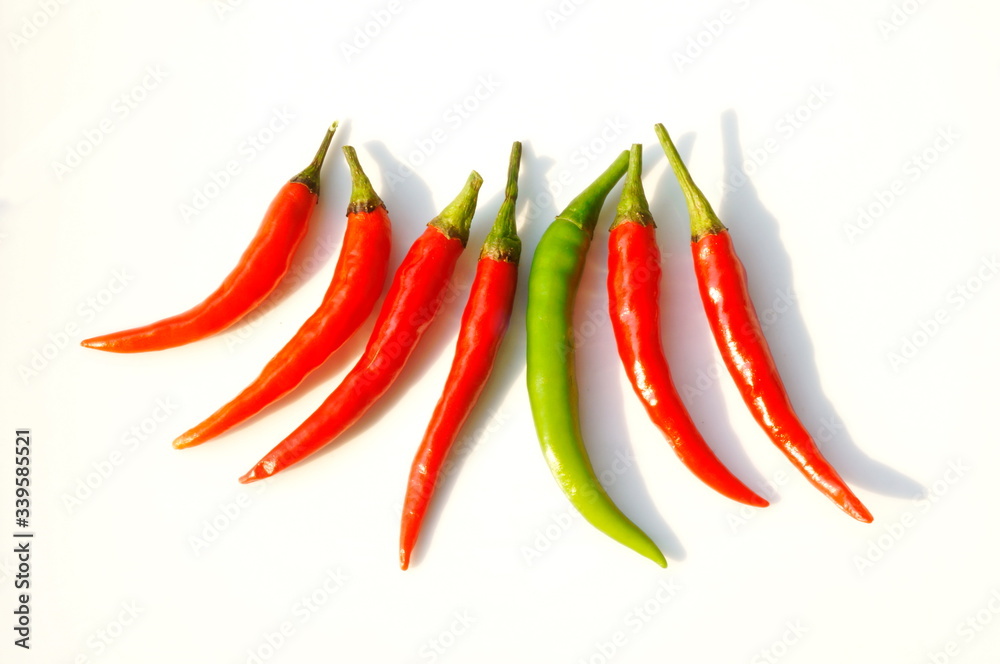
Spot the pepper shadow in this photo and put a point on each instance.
(410, 206)
(687, 341)
(324, 223)
(414, 198)
(603, 390)
(533, 211)
(756, 236)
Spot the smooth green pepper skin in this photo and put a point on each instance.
(552, 286)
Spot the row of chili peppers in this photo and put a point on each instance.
(415, 296)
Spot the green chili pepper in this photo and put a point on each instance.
(552, 285)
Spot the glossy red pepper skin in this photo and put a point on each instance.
(633, 295)
(722, 284)
(258, 272)
(411, 304)
(483, 326)
(264, 262)
(357, 282)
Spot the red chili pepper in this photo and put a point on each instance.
(260, 268)
(484, 324)
(413, 300)
(634, 295)
(722, 283)
(357, 282)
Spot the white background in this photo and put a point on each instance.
(147, 554)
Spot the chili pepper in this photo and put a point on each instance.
(414, 298)
(553, 282)
(484, 323)
(633, 296)
(262, 265)
(722, 283)
(357, 282)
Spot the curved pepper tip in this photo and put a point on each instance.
(645, 547)
(859, 512)
(97, 343)
(659, 558)
(185, 440)
(404, 559)
(648, 549)
(251, 476)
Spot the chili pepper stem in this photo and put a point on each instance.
(484, 323)
(584, 210)
(363, 196)
(413, 300)
(553, 283)
(456, 218)
(502, 243)
(633, 295)
(722, 283)
(633, 205)
(263, 264)
(310, 174)
(703, 218)
(357, 281)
